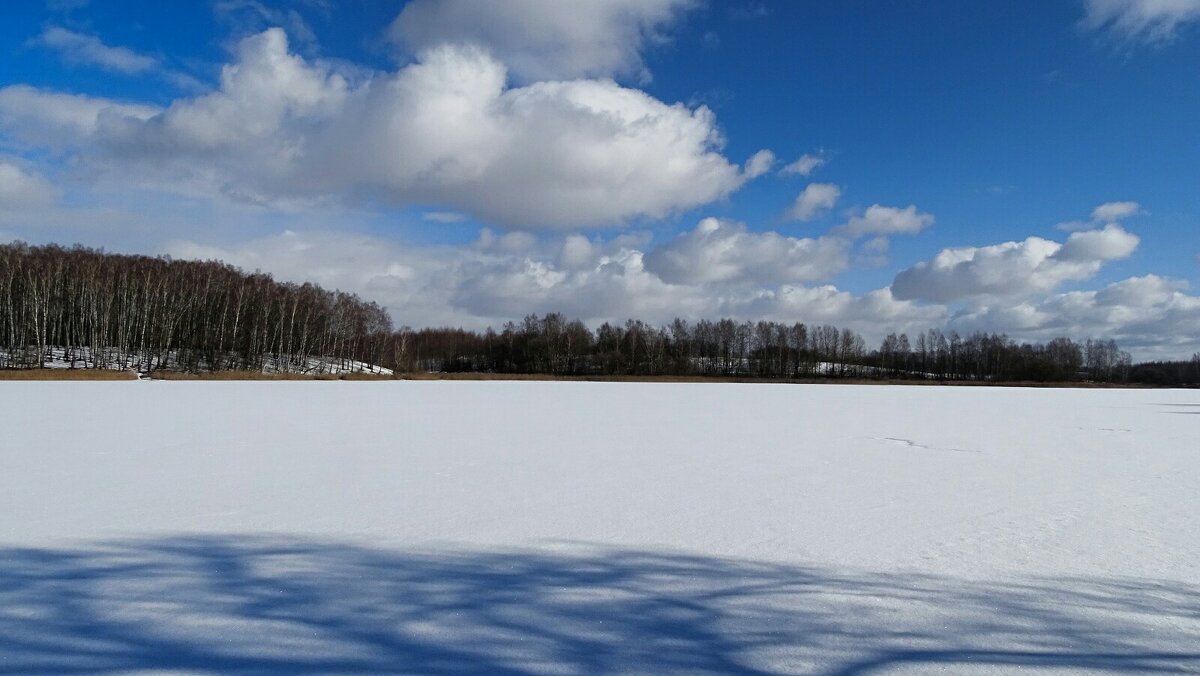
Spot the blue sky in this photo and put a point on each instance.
(1027, 167)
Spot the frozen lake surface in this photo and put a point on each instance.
(521, 527)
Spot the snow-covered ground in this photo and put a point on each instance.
(550, 527)
(115, 360)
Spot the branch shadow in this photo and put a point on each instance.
(286, 605)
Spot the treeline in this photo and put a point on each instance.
(1167, 373)
(92, 309)
(553, 344)
(101, 310)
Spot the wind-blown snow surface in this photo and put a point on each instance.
(508, 527)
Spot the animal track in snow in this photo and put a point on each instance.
(912, 444)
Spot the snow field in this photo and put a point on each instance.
(552, 527)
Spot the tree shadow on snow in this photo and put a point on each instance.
(283, 605)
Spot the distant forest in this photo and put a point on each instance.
(552, 344)
(137, 312)
(102, 310)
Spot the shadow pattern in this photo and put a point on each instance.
(285, 605)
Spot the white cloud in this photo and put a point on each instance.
(885, 221)
(759, 164)
(873, 313)
(873, 253)
(577, 252)
(500, 278)
(1111, 243)
(506, 242)
(625, 282)
(251, 16)
(1150, 21)
(1012, 270)
(88, 50)
(21, 189)
(259, 97)
(1104, 214)
(492, 281)
(284, 131)
(804, 166)
(615, 287)
(1139, 292)
(545, 39)
(725, 252)
(1072, 226)
(815, 199)
(412, 283)
(1151, 316)
(485, 283)
(36, 116)
(1114, 212)
(443, 217)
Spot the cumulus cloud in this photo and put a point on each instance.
(498, 278)
(724, 251)
(805, 166)
(1149, 21)
(577, 252)
(1151, 316)
(815, 199)
(445, 130)
(1109, 212)
(411, 283)
(260, 96)
(1139, 292)
(759, 164)
(88, 50)
(1112, 212)
(502, 277)
(506, 242)
(35, 116)
(487, 282)
(1012, 270)
(20, 188)
(545, 39)
(1111, 243)
(617, 286)
(873, 313)
(886, 221)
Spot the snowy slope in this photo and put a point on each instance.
(542, 527)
